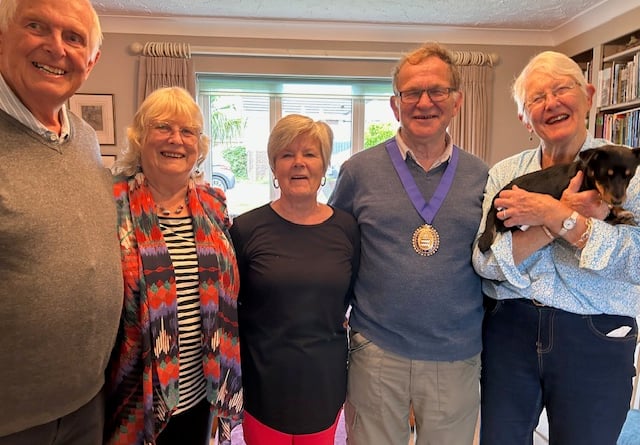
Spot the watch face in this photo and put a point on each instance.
(570, 222)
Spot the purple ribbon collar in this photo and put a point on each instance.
(426, 210)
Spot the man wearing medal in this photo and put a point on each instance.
(415, 323)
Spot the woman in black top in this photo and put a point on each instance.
(297, 259)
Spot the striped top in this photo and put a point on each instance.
(179, 238)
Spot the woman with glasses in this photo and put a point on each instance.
(559, 332)
(176, 363)
(297, 259)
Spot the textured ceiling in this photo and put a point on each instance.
(495, 14)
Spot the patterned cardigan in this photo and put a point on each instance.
(142, 376)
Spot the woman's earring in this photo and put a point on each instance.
(324, 181)
(276, 185)
(530, 135)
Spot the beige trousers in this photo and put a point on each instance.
(382, 386)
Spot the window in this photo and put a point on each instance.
(240, 112)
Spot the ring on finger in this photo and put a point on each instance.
(504, 213)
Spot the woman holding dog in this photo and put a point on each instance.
(559, 331)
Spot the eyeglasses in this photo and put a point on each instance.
(188, 134)
(558, 92)
(435, 95)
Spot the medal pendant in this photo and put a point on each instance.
(426, 240)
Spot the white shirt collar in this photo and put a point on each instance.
(405, 150)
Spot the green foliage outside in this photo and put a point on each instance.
(376, 133)
(237, 157)
(225, 125)
(226, 132)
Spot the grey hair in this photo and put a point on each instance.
(551, 63)
(8, 9)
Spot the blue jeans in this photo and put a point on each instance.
(538, 356)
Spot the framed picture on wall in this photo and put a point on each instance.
(97, 111)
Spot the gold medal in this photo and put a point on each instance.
(426, 240)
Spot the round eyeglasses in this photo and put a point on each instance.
(540, 99)
(188, 134)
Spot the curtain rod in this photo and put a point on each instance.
(462, 57)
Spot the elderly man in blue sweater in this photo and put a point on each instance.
(415, 324)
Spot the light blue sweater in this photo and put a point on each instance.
(420, 307)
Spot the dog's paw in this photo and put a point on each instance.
(486, 239)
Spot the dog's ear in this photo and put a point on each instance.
(586, 156)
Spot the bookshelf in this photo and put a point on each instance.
(585, 60)
(617, 98)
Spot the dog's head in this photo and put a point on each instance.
(609, 170)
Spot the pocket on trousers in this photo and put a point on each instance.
(605, 326)
(357, 341)
(491, 305)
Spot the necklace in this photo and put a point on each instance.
(166, 212)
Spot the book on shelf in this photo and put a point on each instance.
(587, 72)
(622, 128)
(621, 87)
(618, 127)
(604, 87)
(615, 78)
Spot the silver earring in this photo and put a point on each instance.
(324, 181)
(530, 135)
(276, 185)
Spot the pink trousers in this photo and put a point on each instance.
(257, 433)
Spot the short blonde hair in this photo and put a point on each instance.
(419, 55)
(164, 104)
(293, 125)
(551, 63)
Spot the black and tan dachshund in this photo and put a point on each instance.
(607, 169)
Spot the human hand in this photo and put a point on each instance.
(588, 202)
(519, 207)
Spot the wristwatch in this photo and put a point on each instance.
(568, 223)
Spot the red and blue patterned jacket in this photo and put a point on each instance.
(142, 376)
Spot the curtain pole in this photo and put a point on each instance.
(462, 57)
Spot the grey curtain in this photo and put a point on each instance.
(470, 129)
(163, 65)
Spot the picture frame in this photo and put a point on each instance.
(97, 111)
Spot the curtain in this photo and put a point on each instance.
(165, 65)
(469, 130)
